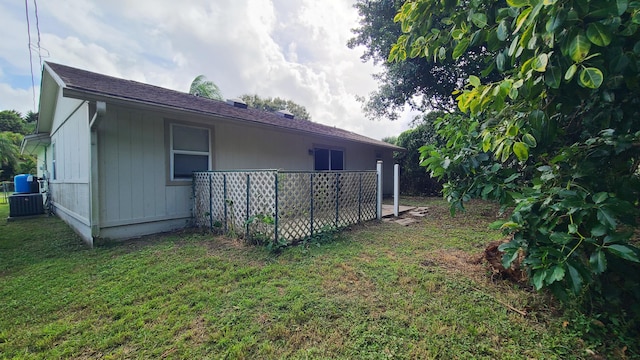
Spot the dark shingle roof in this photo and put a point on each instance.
(108, 86)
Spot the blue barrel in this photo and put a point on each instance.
(21, 185)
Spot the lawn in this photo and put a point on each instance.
(376, 291)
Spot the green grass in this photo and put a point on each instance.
(378, 291)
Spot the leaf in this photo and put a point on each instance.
(539, 64)
(474, 80)
(500, 61)
(511, 178)
(556, 275)
(598, 262)
(479, 20)
(570, 72)
(598, 230)
(560, 238)
(521, 19)
(538, 278)
(553, 77)
(591, 77)
(521, 150)
(502, 32)
(606, 218)
(460, 48)
(576, 279)
(529, 140)
(518, 3)
(579, 48)
(623, 251)
(555, 22)
(598, 34)
(600, 197)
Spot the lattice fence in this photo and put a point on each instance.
(266, 205)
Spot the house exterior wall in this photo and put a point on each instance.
(136, 194)
(68, 165)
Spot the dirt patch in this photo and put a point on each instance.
(494, 258)
(457, 261)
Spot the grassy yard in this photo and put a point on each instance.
(376, 291)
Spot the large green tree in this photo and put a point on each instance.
(421, 83)
(275, 104)
(414, 178)
(11, 120)
(200, 86)
(557, 136)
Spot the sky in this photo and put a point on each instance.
(293, 49)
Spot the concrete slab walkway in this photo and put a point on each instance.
(387, 210)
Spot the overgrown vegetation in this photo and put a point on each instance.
(376, 291)
(555, 135)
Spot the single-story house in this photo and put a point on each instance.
(118, 154)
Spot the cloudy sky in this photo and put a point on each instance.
(294, 49)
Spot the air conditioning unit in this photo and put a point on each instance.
(25, 205)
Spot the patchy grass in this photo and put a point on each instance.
(377, 291)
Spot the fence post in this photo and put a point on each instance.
(246, 220)
(337, 199)
(275, 232)
(396, 189)
(311, 209)
(379, 190)
(224, 201)
(210, 204)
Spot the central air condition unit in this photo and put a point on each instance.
(25, 205)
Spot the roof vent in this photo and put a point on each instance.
(237, 103)
(285, 114)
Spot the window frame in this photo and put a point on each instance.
(330, 150)
(172, 152)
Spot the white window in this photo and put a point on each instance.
(190, 151)
(328, 159)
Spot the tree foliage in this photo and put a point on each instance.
(421, 83)
(200, 86)
(414, 178)
(12, 130)
(556, 135)
(11, 120)
(275, 104)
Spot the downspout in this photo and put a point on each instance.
(94, 188)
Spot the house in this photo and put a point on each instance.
(119, 154)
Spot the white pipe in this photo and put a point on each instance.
(379, 200)
(396, 190)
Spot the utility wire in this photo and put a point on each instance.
(35, 4)
(33, 83)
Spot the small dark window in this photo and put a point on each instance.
(337, 160)
(328, 159)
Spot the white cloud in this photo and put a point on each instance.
(21, 100)
(293, 49)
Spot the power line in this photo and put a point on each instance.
(35, 5)
(33, 83)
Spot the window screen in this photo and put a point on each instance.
(190, 151)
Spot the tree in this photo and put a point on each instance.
(275, 104)
(414, 178)
(421, 83)
(31, 117)
(200, 86)
(11, 120)
(556, 136)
